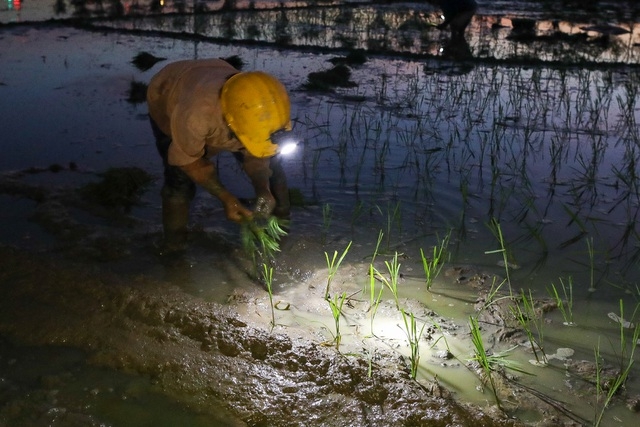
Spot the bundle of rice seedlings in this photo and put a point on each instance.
(262, 238)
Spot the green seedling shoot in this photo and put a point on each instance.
(262, 239)
(528, 317)
(327, 215)
(375, 252)
(267, 275)
(333, 264)
(565, 303)
(336, 310)
(375, 298)
(495, 228)
(394, 277)
(413, 337)
(391, 283)
(433, 266)
(627, 360)
(592, 265)
(480, 355)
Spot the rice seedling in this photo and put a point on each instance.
(413, 337)
(607, 388)
(599, 408)
(327, 216)
(441, 337)
(529, 318)
(333, 264)
(394, 275)
(357, 212)
(591, 253)
(496, 230)
(336, 310)
(391, 283)
(267, 275)
(393, 217)
(575, 218)
(564, 303)
(375, 297)
(377, 248)
(490, 363)
(481, 357)
(262, 238)
(371, 355)
(493, 292)
(433, 266)
(626, 326)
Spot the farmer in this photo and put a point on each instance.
(457, 15)
(199, 108)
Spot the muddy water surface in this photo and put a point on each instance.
(534, 129)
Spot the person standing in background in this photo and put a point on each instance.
(457, 16)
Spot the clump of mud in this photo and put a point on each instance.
(327, 81)
(120, 188)
(137, 93)
(144, 61)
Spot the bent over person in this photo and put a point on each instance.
(199, 108)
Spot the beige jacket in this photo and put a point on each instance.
(184, 101)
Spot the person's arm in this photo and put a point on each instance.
(259, 171)
(204, 174)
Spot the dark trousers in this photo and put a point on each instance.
(177, 185)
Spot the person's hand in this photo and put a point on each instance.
(265, 204)
(235, 211)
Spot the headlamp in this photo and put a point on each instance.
(285, 140)
(287, 148)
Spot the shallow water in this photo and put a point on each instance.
(59, 377)
(422, 146)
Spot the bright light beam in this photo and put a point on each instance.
(287, 148)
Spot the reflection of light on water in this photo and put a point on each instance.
(388, 335)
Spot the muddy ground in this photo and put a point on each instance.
(198, 351)
(203, 354)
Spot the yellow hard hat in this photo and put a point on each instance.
(256, 105)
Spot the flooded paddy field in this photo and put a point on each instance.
(511, 159)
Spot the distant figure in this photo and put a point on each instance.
(457, 15)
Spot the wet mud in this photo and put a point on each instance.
(206, 356)
(199, 352)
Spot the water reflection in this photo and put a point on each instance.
(457, 15)
(550, 152)
(395, 30)
(556, 31)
